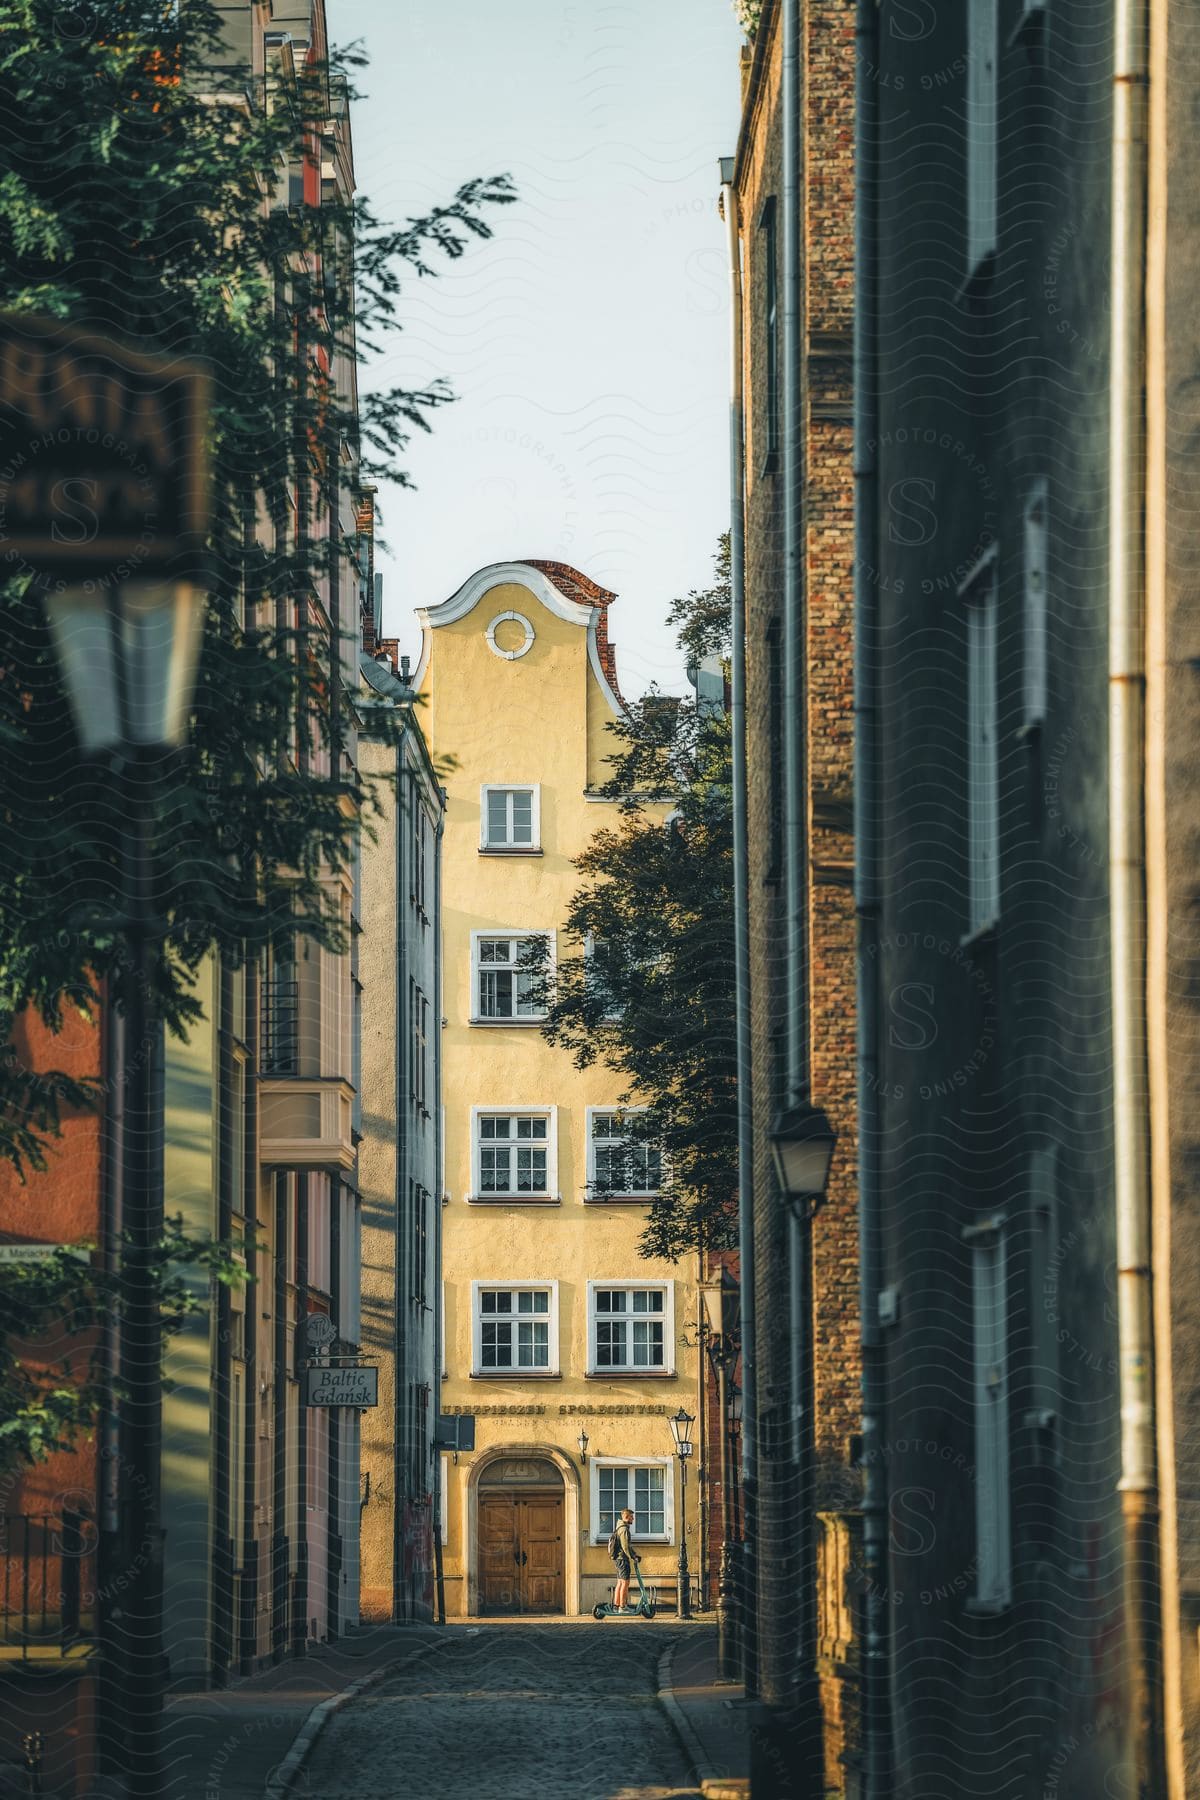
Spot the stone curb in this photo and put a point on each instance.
(281, 1782)
(711, 1785)
(693, 1749)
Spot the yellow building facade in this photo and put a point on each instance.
(554, 1326)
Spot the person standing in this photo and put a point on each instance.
(624, 1556)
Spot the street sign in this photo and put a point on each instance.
(356, 1384)
(455, 1431)
(103, 464)
(11, 1253)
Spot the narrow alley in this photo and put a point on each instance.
(500, 1712)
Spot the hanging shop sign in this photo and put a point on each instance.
(330, 1384)
(319, 1330)
(103, 456)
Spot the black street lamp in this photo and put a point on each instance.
(681, 1431)
(721, 1305)
(128, 655)
(802, 1145)
(789, 1734)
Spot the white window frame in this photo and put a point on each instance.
(1035, 601)
(589, 953)
(532, 788)
(665, 1463)
(993, 1476)
(478, 1371)
(627, 1370)
(590, 1195)
(979, 594)
(474, 1016)
(982, 131)
(477, 1196)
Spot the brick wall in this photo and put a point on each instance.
(826, 452)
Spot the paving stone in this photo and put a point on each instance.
(561, 1712)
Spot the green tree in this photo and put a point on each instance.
(145, 193)
(647, 984)
(132, 202)
(46, 1403)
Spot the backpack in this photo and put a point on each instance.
(614, 1545)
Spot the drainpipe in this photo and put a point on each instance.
(401, 1335)
(787, 1756)
(746, 1604)
(875, 1677)
(703, 1472)
(438, 1232)
(1127, 889)
(791, 477)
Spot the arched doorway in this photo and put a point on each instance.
(521, 1537)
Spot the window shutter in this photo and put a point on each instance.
(983, 797)
(982, 124)
(1035, 576)
(993, 1524)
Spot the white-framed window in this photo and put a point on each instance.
(983, 109)
(514, 1153)
(504, 976)
(617, 1167)
(596, 962)
(631, 1328)
(1036, 551)
(514, 1328)
(993, 1504)
(510, 818)
(983, 767)
(646, 1488)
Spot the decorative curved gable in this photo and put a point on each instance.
(562, 590)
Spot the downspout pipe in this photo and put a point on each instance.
(402, 1250)
(746, 1608)
(791, 453)
(438, 1229)
(1127, 889)
(875, 1675)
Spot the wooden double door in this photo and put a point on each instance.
(520, 1551)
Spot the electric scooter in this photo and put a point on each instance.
(645, 1608)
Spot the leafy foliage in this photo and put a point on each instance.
(749, 13)
(647, 985)
(135, 201)
(44, 1404)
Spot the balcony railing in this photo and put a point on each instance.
(47, 1583)
(281, 1027)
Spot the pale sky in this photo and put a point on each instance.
(589, 340)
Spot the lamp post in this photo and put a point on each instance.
(681, 1431)
(582, 1440)
(128, 655)
(721, 1305)
(787, 1752)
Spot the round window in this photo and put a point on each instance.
(509, 635)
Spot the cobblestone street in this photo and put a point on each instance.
(506, 1712)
